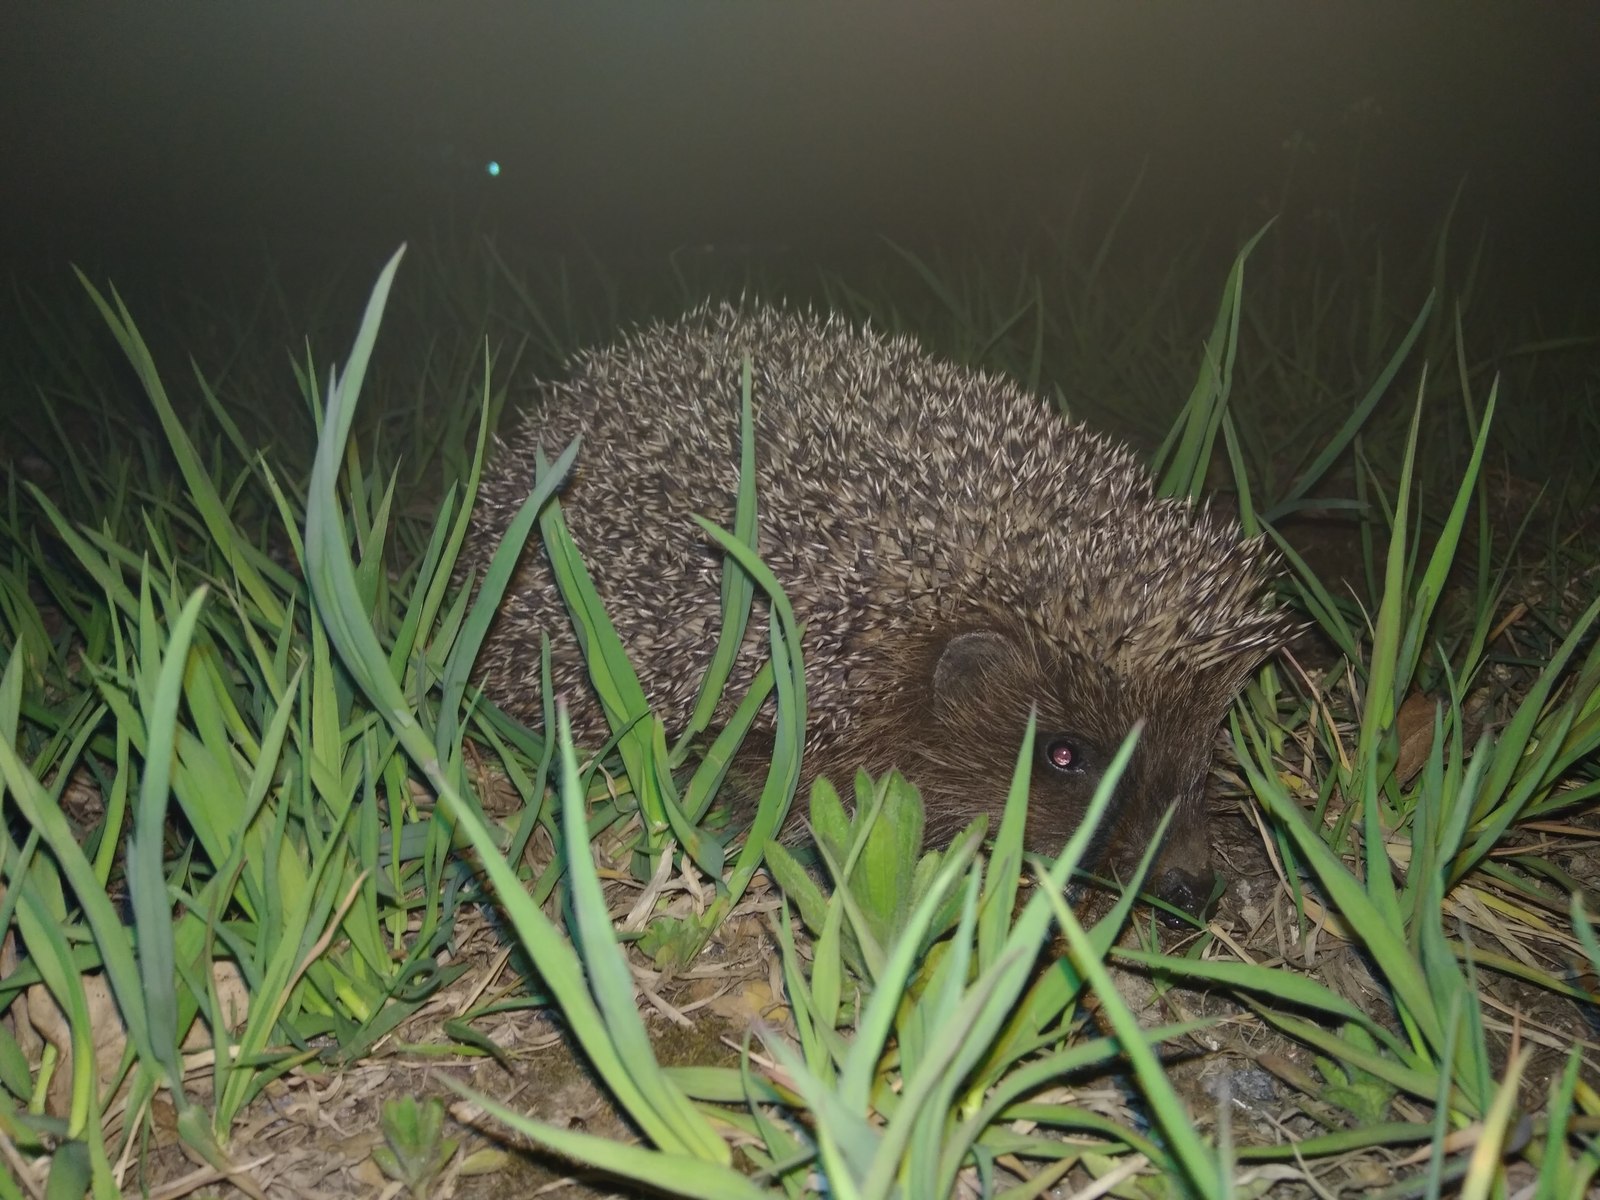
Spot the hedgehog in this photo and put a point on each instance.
(958, 553)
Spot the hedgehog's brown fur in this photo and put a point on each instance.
(956, 551)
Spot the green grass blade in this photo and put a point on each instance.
(738, 589)
(676, 1174)
(147, 884)
(111, 937)
(612, 983)
(257, 574)
(1342, 440)
(1376, 930)
(1199, 1163)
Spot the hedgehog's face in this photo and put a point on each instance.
(983, 685)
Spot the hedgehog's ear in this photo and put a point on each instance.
(966, 659)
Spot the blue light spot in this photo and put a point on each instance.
(493, 169)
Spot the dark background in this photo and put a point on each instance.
(166, 141)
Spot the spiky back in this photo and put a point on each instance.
(898, 493)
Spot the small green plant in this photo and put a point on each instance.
(1360, 1093)
(415, 1149)
(874, 858)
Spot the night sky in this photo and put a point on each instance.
(173, 138)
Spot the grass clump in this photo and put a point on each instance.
(289, 760)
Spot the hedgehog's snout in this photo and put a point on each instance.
(1191, 891)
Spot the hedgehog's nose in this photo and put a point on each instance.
(1191, 891)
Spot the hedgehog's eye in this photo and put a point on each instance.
(1061, 755)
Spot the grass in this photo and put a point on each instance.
(257, 663)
